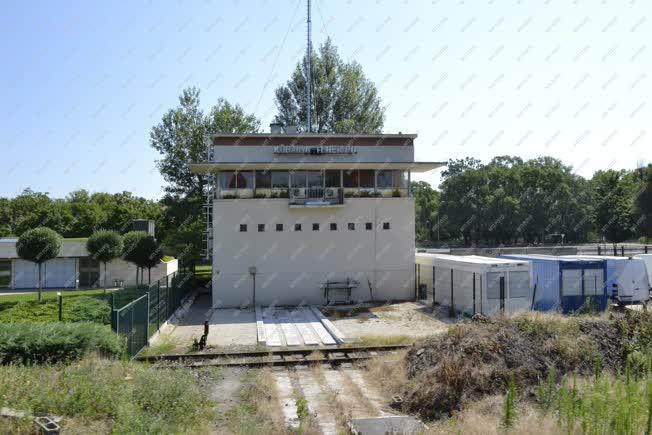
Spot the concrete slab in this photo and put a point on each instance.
(292, 336)
(232, 326)
(308, 334)
(397, 424)
(324, 336)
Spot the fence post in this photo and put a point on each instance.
(622, 250)
(646, 249)
(158, 308)
(599, 249)
(147, 321)
(60, 306)
(131, 332)
(615, 251)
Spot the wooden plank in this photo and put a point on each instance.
(307, 333)
(315, 324)
(337, 335)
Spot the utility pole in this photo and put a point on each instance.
(309, 69)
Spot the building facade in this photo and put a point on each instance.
(311, 218)
(73, 268)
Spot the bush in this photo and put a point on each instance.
(37, 343)
(75, 309)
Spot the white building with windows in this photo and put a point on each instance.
(311, 218)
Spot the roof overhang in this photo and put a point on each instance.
(206, 168)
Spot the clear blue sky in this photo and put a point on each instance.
(83, 82)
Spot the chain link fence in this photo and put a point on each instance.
(141, 318)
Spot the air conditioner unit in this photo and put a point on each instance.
(330, 193)
(298, 192)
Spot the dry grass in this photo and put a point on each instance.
(331, 398)
(387, 373)
(259, 408)
(381, 340)
(484, 418)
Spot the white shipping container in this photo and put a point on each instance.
(473, 284)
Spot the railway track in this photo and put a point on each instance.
(282, 357)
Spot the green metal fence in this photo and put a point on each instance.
(140, 319)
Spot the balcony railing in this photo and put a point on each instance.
(316, 196)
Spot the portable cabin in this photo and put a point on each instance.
(565, 283)
(473, 284)
(647, 259)
(626, 280)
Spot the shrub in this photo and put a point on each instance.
(38, 343)
(75, 309)
(142, 249)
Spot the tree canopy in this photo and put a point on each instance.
(104, 245)
(39, 245)
(343, 99)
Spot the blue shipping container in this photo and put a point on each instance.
(563, 283)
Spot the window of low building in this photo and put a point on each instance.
(385, 225)
(366, 178)
(261, 228)
(263, 179)
(279, 227)
(384, 179)
(297, 227)
(5, 273)
(351, 226)
(243, 228)
(280, 179)
(368, 226)
(351, 178)
(332, 178)
(333, 226)
(315, 227)
(89, 272)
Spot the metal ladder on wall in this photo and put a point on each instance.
(207, 236)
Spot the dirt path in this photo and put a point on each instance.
(333, 396)
(226, 394)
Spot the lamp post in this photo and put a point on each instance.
(252, 271)
(60, 306)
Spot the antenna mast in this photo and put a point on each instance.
(309, 70)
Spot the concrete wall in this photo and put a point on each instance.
(291, 265)
(122, 270)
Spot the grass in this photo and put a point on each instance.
(103, 396)
(167, 258)
(122, 296)
(381, 340)
(165, 345)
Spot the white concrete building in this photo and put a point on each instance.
(73, 268)
(312, 218)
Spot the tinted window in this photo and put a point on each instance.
(385, 225)
(351, 178)
(297, 227)
(298, 179)
(261, 228)
(333, 226)
(384, 180)
(243, 228)
(280, 179)
(351, 226)
(368, 226)
(332, 178)
(366, 178)
(263, 179)
(315, 227)
(279, 227)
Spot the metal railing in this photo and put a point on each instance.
(329, 195)
(141, 318)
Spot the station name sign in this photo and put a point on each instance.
(315, 150)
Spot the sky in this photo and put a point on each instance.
(82, 83)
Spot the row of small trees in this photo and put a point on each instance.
(41, 244)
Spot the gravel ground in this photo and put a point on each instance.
(408, 319)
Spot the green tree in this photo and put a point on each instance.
(613, 201)
(643, 201)
(143, 250)
(426, 211)
(105, 246)
(39, 245)
(181, 138)
(343, 101)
